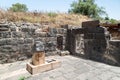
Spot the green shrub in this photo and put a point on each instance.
(52, 14)
(18, 8)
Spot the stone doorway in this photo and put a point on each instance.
(60, 42)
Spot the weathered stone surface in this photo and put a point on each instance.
(38, 58)
(52, 32)
(94, 30)
(4, 27)
(8, 48)
(61, 31)
(49, 65)
(90, 24)
(64, 53)
(13, 28)
(5, 34)
(50, 46)
(39, 46)
(17, 34)
(41, 34)
(10, 41)
(90, 40)
(94, 36)
(113, 54)
(29, 40)
(20, 41)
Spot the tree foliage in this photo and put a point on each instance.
(88, 8)
(18, 7)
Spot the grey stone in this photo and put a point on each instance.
(39, 46)
(61, 31)
(41, 34)
(20, 41)
(13, 28)
(28, 40)
(50, 46)
(5, 34)
(17, 34)
(90, 24)
(4, 27)
(52, 32)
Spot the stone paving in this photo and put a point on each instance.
(73, 68)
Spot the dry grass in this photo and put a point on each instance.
(48, 18)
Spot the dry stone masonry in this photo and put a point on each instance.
(18, 41)
(92, 41)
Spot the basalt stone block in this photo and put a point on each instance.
(2, 42)
(65, 26)
(27, 35)
(90, 24)
(5, 34)
(96, 42)
(26, 48)
(17, 34)
(28, 40)
(94, 36)
(41, 34)
(11, 41)
(25, 28)
(39, 46)
(91, 29)
(50, 46)
(61, 31)
(78, 31)
(52, 32)
(8, 48)
(115, 43)
(113, 55)
(1, 35)
(50, 53)
(42, 39)
(47, 39)
(89, 36)
(13, 28)
(20, 41)
(4, 27)
(99, 36)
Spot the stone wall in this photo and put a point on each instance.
(112, 55)
(18, 40)
(93, 42)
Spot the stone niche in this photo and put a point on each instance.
(79, 44)
(75, 41)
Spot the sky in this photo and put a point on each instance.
(111, 6)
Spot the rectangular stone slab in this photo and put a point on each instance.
(43, 67)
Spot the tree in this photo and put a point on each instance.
(88, 8)
(18, 7)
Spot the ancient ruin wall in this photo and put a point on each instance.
(18, 40)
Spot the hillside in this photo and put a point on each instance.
(47, 18)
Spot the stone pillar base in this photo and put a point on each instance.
(49, 65)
